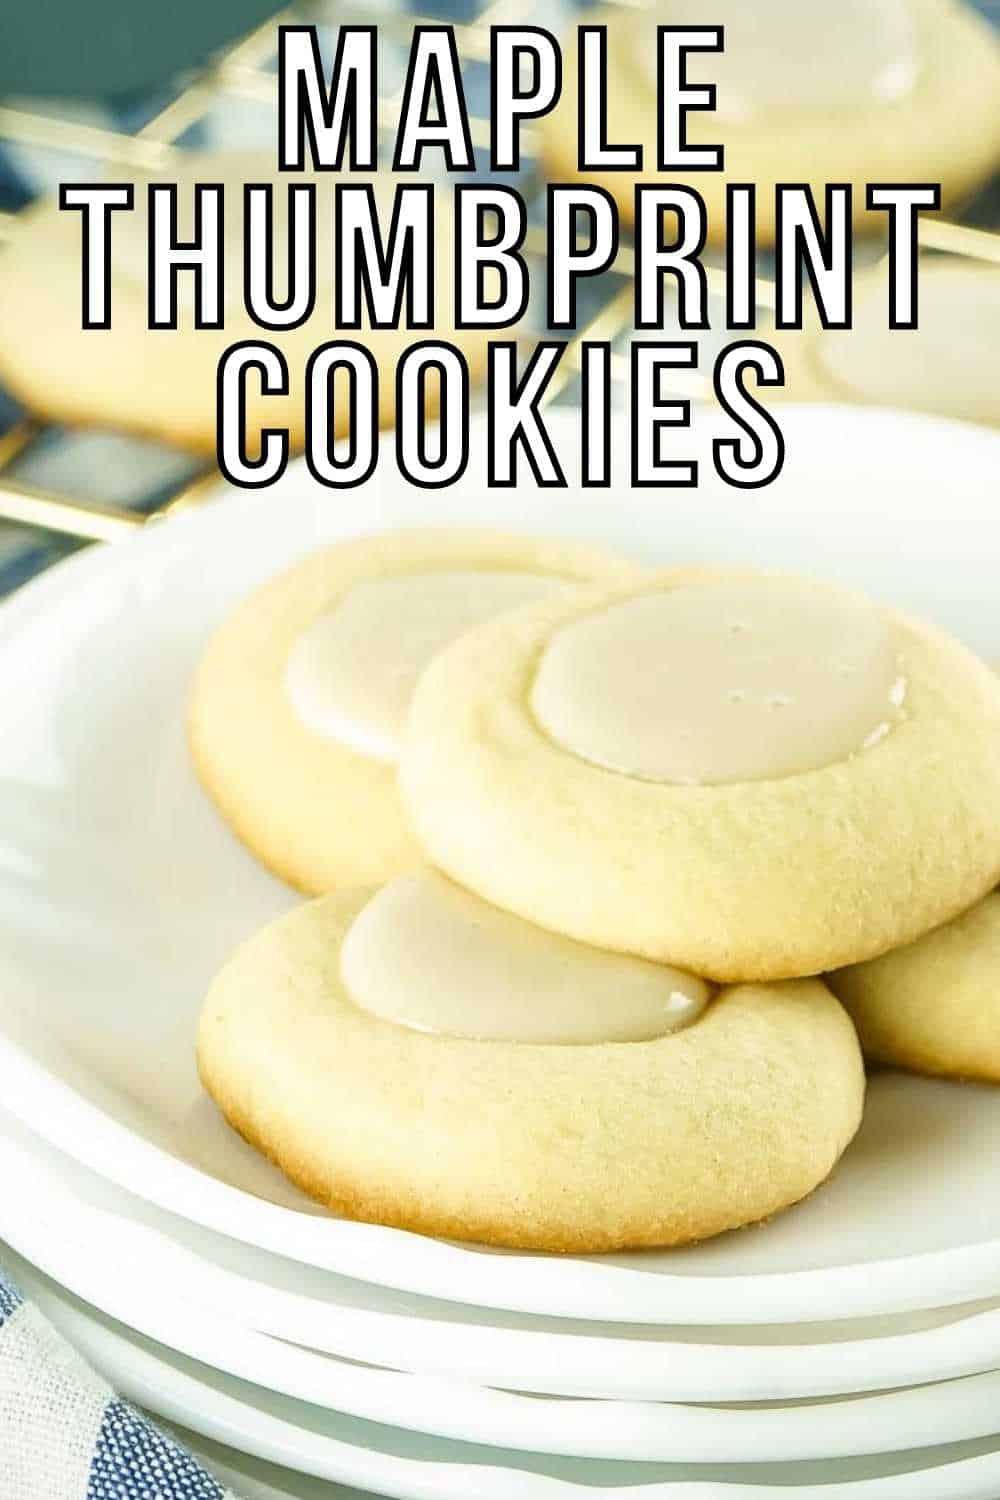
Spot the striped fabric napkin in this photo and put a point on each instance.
(65, 1435)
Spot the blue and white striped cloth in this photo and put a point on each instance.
(65, 1435)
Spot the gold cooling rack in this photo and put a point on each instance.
(241, 75)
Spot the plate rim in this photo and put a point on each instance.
(178, 1396)
(70, 1220)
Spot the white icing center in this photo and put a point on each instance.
(790, 55)
(351, 674)
(948, 364)
(427, 954)
(734, 680)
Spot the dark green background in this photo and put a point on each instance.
(93, 48)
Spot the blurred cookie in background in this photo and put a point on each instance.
(862, 91)
(946, 366)
(163, 381)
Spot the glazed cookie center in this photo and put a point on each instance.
(351, 674)
(427, 954)
(783, 54)
(739, 680)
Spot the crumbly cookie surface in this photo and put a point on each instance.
(316, 812)
(754, 880)
(537, 1147)
(934, 1005)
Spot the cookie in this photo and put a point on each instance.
(934, 1005)
(163, 382)
(579, 1146)
(297, 704)
(804, 96)
(945, 366)
(751, 776)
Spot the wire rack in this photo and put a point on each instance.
(60, 489)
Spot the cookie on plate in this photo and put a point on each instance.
(749, 775)
(934, 1005)
(163, 382)
(299, 700)
(417, 1058)
(898, 91)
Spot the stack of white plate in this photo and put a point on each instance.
(850, 1350)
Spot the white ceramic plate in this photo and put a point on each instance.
(391, 1462)
(121, 892)
(123, 1282)
(253, 1479)
(612, 1430)
(56, 1213)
